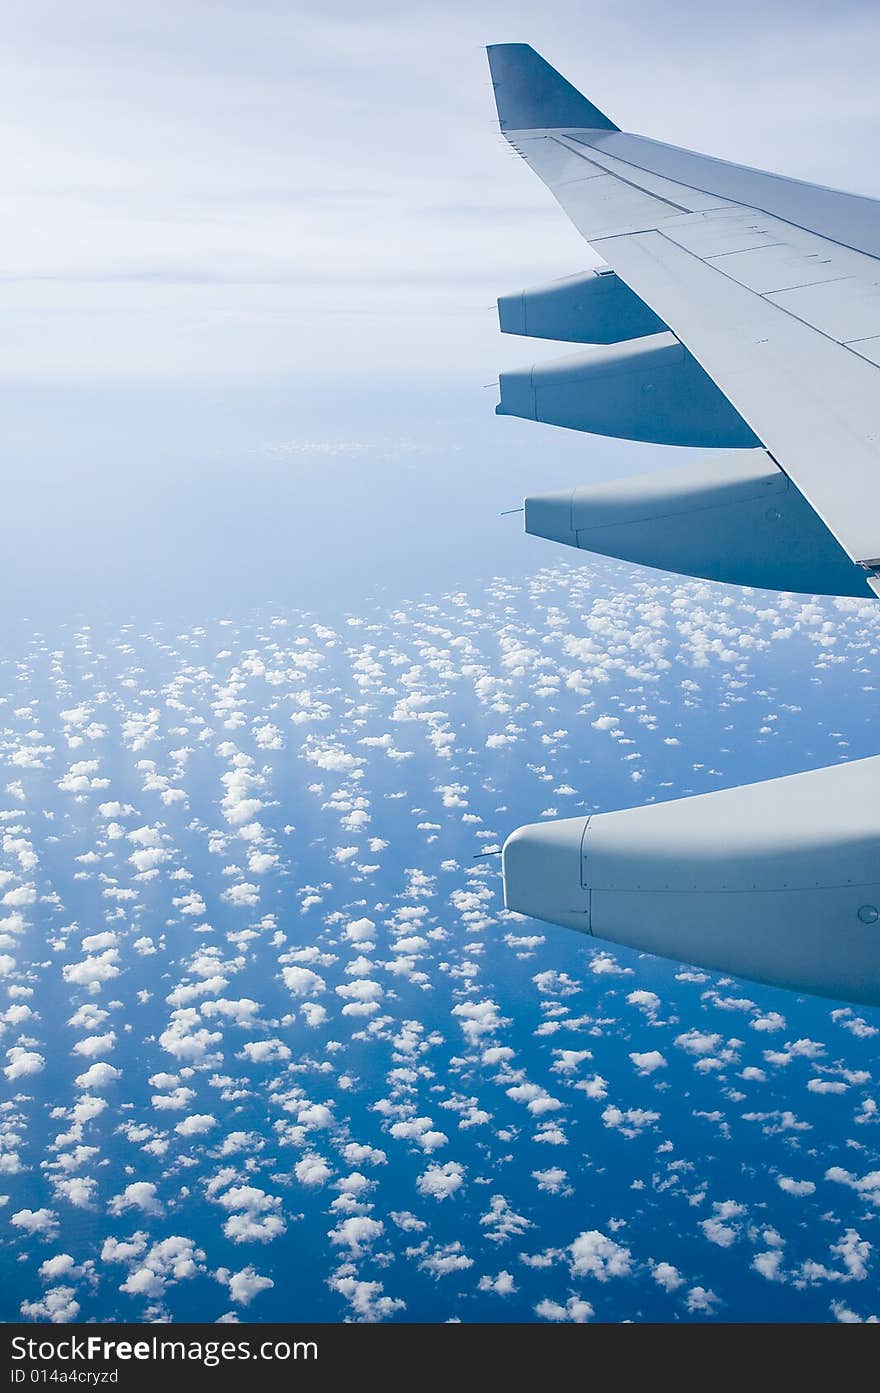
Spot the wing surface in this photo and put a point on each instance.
(772, 285)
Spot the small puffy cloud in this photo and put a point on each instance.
(407, 1221)
(98, 1076)
(148, 859)
(552, 1181)
(186, 1038)
(502, 1222)
(95, 1045)
(595, 1087)
(568, 1061)
(94, 970)
(421, 1131)
(265, 1051)
(795, 1187)
(629, 1121)
(171, 1260)
(648, 1062)
(769, 1022)
(58, 1305)
(866, 1185)
(59, 1266)
(41, 1222)
(445, 1259)
(698, 1042)
(769, 1264)
(141, 1194)
(313, 1013)
(254, 1215)
(702, 1301)
(312, 1171)
(719, 1229)
(594, 1254)
(81, 777)
(478, 1018)
(96, 943)
(245, 1285)
(315, 1115)
(441, 1181)
(646, 1001)
(362, 997)
(191, 904)
(356, 1234)
(175, 1101)
(243, 895)
(357, 1154)
(575, 1310)
(360, 930)
(124, 1250)
(241, 1012)
(20, 896)
(333, 759)
(367, 1299)
(606, 965)
(78, 1190)
(302, 981)
(23, 1063)
(196, 1124)
(667, 1276)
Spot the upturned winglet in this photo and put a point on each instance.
(529, 94)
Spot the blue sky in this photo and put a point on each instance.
(273, 1048)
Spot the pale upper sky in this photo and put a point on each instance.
(250, 255)
(224, 190)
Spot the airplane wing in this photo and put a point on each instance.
(742, 310)
(738, 311)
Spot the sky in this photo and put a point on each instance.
(312, 193)
(251, 254)
(276, 663)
